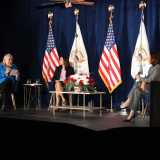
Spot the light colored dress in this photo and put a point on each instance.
(62, 75)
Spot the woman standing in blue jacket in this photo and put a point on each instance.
(6, 80)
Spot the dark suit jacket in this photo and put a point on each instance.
(57, 73)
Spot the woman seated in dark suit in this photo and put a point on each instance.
(7, 80)
(142, 86)
(61, 73)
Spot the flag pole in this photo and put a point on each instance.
(142, 5)
(111, 110)
(50, 15)
(110, 9)
(76, 12)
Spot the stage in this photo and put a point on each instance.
(92, 121)
(40, 134)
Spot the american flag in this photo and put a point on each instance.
(109, 66)
(51, 59)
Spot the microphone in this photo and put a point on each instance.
(9, 67)
(138, 73)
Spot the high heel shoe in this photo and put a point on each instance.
(56, 109)
(128, 120)
(64, 103)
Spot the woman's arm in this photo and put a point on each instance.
(17, 78)
(54, 79)
(143, 85)
(155, 75)
(2, 71)
(7, 71)
(72, 71)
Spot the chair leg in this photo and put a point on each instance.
(50, 103)
(142, 113)
(69, 95)
(145, 109)
(139, 109)
(13, 101)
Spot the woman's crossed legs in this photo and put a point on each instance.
(59, 87)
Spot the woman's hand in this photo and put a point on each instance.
(8, 70)
(143, 85)
(137, 76)
(17, 75)
(56, 80)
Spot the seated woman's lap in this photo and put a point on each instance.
(6, 85)
(59, 87)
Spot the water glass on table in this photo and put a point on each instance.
(37, 81)
(28, 81)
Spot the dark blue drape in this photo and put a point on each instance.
(24, 31)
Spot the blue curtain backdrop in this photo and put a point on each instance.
(24, 31)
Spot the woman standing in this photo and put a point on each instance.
(6, 80)
(142, 86)
(61, 73)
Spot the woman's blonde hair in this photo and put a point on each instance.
(7, 55)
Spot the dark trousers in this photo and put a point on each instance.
(5, 87)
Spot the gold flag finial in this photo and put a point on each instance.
(142, 5)
(50, 15)
(110, 9)
(76, 12)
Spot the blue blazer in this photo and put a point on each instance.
(3, 77)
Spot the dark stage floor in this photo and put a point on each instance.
(92, 120)
(37, 134)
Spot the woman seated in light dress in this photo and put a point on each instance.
(61, 73)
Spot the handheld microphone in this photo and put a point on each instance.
(136, 78)
(9, 67)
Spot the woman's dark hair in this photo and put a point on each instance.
(66, 62)
(155, 58)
